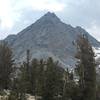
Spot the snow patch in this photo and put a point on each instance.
(97, 52)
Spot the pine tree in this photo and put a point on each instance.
(40, 77)
(86, 68)
(65, 81)
(6, 65)
(22, 84)
(34, 76)
(70, 88)
(53, 80)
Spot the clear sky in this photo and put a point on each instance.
(15, 15)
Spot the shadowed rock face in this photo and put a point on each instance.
(48, 37)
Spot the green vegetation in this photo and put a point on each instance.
(86, 69)
(46, 79)
(6, 66)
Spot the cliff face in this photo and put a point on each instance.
(48, 37)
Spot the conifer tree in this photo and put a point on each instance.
(40, 77)
(53, 80)
(6, 65)
(86, 68)
(23, 85)
(34, 76)
(70, 88)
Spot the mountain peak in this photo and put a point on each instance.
(48, 37)
(50, 14)
(49, 17)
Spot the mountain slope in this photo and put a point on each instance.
(48, 36)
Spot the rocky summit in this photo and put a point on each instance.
(48, 37)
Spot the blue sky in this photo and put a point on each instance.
(15, 15)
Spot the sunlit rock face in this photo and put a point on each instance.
(48, 37)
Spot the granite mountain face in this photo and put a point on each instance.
(48, 37)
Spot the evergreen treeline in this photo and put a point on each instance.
(46, 79)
